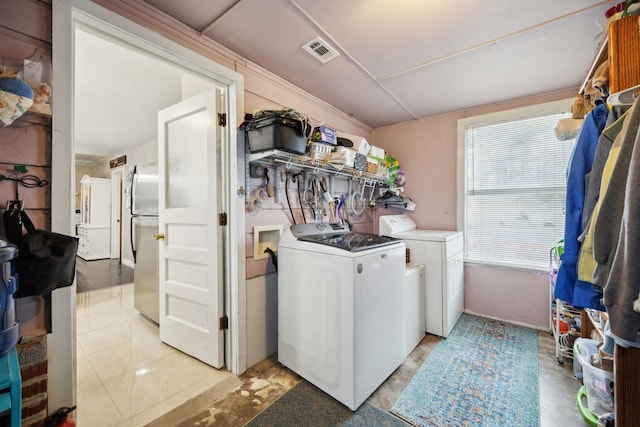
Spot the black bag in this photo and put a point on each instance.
(46, 260)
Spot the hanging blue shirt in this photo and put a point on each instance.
(568, 288)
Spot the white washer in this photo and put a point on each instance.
(340, 310)
(441, 252)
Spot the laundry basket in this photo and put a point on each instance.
(597, 382)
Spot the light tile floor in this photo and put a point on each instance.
(125, 375)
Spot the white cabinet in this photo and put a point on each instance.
(453, 285)
(441, 252)
(94, 231)
(414, 308)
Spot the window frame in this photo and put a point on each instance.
(536, 110)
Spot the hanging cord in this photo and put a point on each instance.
(345, 216)
(357, 200)
(329, 199)
(28, 181)
(308, 196)
(304, 218)
(286, 193)
(268, 185)
(274, 257)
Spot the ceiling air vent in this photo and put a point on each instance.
(320, 50)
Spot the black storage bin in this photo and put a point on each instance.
(276, 132)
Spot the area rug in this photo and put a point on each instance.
(484, 374)
(305, 405)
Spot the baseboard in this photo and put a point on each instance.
(513, 322)
(128, 262)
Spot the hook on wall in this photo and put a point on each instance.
(14, 205)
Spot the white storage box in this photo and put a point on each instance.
(359, 143)
(319, 150)
(343, 156)
(376, 153)
(598, 382)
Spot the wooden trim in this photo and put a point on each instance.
(624, 57)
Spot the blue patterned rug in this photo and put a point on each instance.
(485, 374)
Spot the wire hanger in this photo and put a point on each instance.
(624, 97)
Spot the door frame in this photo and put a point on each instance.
(67, 16)
(117, 198)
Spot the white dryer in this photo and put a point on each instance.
(441, 252)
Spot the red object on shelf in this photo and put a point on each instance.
(614, 9)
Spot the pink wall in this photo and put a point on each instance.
(519, 296)
(427, 151)
(27, 141)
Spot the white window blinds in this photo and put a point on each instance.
(515, 183)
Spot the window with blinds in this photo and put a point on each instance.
(514, 195)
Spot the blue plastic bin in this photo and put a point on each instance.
(9, 328)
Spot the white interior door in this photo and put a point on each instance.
(191, 280)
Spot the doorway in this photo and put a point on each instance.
(69, 16)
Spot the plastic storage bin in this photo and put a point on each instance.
(589, 417)
(597, 382)
(9, 329)
(276, 132)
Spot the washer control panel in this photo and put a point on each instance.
(315, 228)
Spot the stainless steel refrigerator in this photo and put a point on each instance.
(144, 225)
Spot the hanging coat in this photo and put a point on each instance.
(606, 233)
(568, 288)
(603, 163)
(622, 291)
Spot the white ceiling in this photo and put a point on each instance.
(399, 60)
(118, 95)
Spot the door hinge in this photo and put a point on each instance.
(222, 218)
(224, 323)
(222, 119)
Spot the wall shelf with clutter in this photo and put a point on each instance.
(285, 162)
(318, 166)
(287, 143)
(24, 87)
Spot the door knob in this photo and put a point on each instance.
(158, 236)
